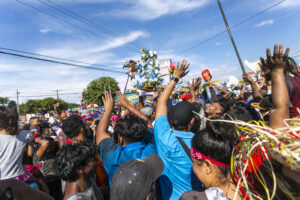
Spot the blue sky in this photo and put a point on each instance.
(167, 26)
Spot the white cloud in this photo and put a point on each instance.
(34, 78)
(26, 74)
(87, 50)
(45, 30)
(264, 23)
(290, 4)
(121, 41)
(148, 10)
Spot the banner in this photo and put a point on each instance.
(132, 98)
(164, 67)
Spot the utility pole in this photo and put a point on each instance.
(18, 100)
(230, 35)
(126, 84)
(57, 97)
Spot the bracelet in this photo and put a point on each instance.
(175, 79)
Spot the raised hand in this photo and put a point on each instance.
(123, 101)
(277, 60)
(108, 101)
(248, 79)
(56, 105)
(180, 71)
(195, 84)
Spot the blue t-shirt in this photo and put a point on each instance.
(178, 176)
(113, 155)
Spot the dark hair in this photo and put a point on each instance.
(26, 127)
(131, 128)
(264, 90)
(239, 113)
(53, 147)
(291, 66)
(216, 141)
(43, 127)
(72, 126)
(9, 119)
(224, 104)
(72, 157)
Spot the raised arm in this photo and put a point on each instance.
(101, 133)
(193, 87)
(242, 94)
(123, 102)
(43, 147)
(255, 91)
(161, 108)
(280, 95)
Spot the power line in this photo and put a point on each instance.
(46, 95)
(70, 23)
(232, 27)
(83, 20)
(57, 62)
(30, 53)
(296, 54)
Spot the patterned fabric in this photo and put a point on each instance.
(215, 193)
(23, 177)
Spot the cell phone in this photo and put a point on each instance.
(7, 194)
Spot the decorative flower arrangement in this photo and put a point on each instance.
(146, 70)
(172, 68)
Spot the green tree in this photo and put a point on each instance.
(97, 87)
(46, 104)
(3, 100)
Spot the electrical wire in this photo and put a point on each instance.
(30, 53)
(232, 27)
(58, 62)
(70, 23)
(46, 95)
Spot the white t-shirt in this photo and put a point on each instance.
(12, 148)
(51, 120)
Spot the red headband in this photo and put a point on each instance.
(199, 156)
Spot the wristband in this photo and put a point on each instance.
(175, 79)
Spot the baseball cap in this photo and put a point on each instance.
(134, 178)
(148, 101)
(182, 113)
(147, 111)
(185, 96)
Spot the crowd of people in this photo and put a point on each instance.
(212, 143)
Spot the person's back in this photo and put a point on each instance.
(129, 141)
(173, 140)
(12, 145)
(177, 176)
(12, 148)
(131, 146)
